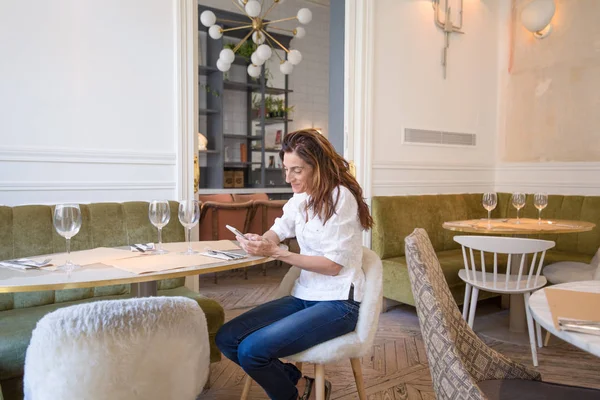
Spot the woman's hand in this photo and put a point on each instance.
(257, 245)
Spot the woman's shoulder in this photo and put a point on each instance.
(295, 202)
(344, 196)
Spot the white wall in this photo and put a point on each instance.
(548, 132)
(410, 92)
(88, 100)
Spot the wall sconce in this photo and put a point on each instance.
(447, 25)
(536, 17)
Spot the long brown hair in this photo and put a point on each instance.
(330, 170)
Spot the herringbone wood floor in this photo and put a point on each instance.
(396, 368)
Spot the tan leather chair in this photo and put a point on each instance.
(214, 216)
(241, 198)
(219, 198)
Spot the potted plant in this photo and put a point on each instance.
(279, 108)
(288, 112)
(269, 107)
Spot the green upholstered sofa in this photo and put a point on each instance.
(396, 216)
(28, 231)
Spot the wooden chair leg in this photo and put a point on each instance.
(246, 273)
(320, 381)
(207, 384)
(215, 278)
(299, 365)
(264, 269)
(358, 378)
(547, 339)
(246, 390)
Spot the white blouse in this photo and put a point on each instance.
(339, 239)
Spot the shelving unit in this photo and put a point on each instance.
(257, 173)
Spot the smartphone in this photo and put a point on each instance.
(236, 232)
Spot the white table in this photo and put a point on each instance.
(13, 280)
(538, 304)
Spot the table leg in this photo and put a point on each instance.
(144, 289)
(518, 319)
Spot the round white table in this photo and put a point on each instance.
(541, 313)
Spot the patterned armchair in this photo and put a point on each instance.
(462, 366)
(458, 359)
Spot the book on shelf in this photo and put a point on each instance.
(238, 178)
(243, 152)
(228, 179)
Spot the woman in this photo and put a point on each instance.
(326, 214)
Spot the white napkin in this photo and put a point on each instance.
(23, 263)
(15, 266)
(145, 247)
(216, 255)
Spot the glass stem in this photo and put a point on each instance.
(517, 215)
(159, 239)
(539, 216)
(188, 234)
(68, 251)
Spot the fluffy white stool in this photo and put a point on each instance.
(572, 271)
(352, 345)
(142, 348)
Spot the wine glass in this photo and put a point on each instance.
(489, 203)
(540, 201)
(189, 214)
(67, 222)
(160, 214)
(518, 202)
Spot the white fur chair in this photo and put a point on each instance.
(572, 271)
(141, 348)
(353, 345)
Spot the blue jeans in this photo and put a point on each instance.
(283, 327)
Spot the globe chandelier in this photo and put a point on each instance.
(265, 42)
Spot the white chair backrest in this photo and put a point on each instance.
(368, 315)
(596, 263)
(504, 245)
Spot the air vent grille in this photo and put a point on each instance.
(422, 136)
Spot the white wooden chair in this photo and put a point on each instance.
(352, 345)
(522, 280)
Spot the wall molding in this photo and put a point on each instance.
(87, 156)
(408, 166)
(358, 93)
(430, 183)
(398, 177)
(550, 166)
(37, 186)
(186, 70)
(576, 178)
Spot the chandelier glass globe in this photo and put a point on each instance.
(256, 60)
(223, 66)
(286, 68)
(253, 8)
(215, 32)
(294, 57)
